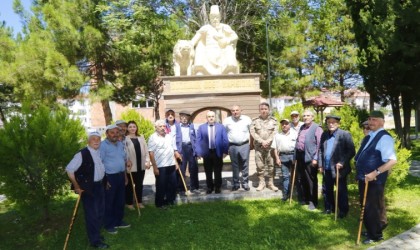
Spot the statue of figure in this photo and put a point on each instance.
(215, 47)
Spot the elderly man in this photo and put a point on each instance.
(115, 161)
(284, 148)
(162, 150)
(306, 154)
(86, 173)
(188, 151)
(295, 121)
(212, 146)
(237, 127)
(336, 151)
(376, 156)
(123, 129)
(263, 129)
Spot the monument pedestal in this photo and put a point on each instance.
(198, 93)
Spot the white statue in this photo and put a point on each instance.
(214, 48)
(183, 57)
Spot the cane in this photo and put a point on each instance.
(362, 212)
(336, 193)
(187, 192)
(72, 220)
(293, 183)
(134, 192)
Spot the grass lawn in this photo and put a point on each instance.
(257, 224)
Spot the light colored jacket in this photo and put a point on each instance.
(131, 153)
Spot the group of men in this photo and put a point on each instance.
(299, 147)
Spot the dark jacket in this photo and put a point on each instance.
(342, 152)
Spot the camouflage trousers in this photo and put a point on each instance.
(264, 162)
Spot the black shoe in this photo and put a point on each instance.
(327, 211)
(371, 241)
(100, 245)
(235, 188)
(285, 198)
(218, 191)
(246, 188)
(341, 215)
(209, 191)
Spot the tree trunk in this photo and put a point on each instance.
(107, 111)
(342, 87)
(371, 103)
(395, 104)
(407, 106)
(156, 110)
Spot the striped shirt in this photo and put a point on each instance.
(163, 148)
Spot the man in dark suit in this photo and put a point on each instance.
(336, 151)
(212, 146)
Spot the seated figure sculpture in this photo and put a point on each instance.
(215, 47)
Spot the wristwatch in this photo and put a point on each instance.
(378, 171)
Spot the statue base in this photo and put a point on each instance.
(198, 93)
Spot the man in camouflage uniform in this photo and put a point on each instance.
(263, 130)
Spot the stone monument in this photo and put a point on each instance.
(207, 72)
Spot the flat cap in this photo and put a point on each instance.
(118, 122)
(112, 126)
(338, 118)
(184, 112)
(284, 120)
(169, 110)
(377, 114)
(294, 112)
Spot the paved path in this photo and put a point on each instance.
(409, 240)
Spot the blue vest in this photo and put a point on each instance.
(370, 159)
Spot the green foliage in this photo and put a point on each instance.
(287, 110)
(35, 147)
(145, 127)
(399, 172)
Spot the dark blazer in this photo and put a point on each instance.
(221, 140)
(193, 137)
(343, 151)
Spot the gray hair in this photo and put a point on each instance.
(159, 123)
(309, 112)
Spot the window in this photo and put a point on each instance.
(142, 102)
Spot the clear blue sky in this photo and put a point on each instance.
(7, 14)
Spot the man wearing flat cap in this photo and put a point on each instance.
(335, 152)
(86, 173)
(123, 129)
(295, 122)
(376, 156)
(189, 158)
(284, 148)
(115, 161)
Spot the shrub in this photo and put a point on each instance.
(145, 126)
(35, 148)
(400, 170)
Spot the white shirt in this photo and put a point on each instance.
(163, 148)
(297, 128)
(285, 143)
(237, 129)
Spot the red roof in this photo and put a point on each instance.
(322, 101)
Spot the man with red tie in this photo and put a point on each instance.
(212, 145)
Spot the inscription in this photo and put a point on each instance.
(212, 85)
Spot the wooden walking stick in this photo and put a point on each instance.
(362, 212)
(336, 192)
(293, 183)
(135, 195)
(187, 192)
(72, 220)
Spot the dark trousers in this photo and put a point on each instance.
(94, 207)
(307, 180)
(374, 208)
(189, 159)
(239, 155)
(213, 163)
(329, 198)
(114, 200)
(165, 186)
(138, 178)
